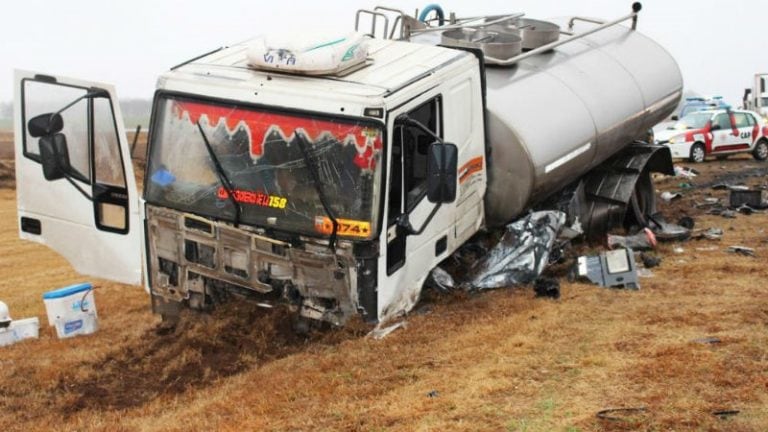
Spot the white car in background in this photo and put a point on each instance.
(716, 133)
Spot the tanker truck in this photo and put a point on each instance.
(332, 176)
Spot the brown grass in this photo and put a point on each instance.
(500, 360)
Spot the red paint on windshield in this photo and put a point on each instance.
(261, 124)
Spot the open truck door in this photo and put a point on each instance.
(75, 187)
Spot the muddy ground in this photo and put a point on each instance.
(501, 360)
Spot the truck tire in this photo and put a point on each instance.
(761, 150)
(698, 154)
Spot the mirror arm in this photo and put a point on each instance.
(405, 223)
(94, 92)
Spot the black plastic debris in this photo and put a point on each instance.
(433, 394)
(547, 287)
(742, 250)
(614, 268)
(650, 261)
(666, 231)
(645, 239)
(687, 222)
(724, 414)
(751, 198)
(611, 413)
(521, 254)
(707, 340)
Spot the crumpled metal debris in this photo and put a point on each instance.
(709, 234)
(521, 254)
(742, 250)
(382, 332)
(686, 172)
(643, 240)
(669, 196)
(441, 279)
(666, 231)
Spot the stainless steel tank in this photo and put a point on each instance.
(556, 115)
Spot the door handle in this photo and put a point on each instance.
(30, 225)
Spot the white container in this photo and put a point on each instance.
(69, 303)
(82, 324)
(7, 337)
(27, 328)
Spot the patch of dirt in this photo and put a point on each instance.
(201, 349)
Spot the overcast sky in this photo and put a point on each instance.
(719, 45)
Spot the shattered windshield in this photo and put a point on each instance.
(259, 153)
(693, 121)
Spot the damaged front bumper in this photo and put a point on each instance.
(199, 262)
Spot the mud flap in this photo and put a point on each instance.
(620, 186)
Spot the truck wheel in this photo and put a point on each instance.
(761, 150)
(697, 153)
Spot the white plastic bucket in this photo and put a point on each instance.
(69, 303)
(82, 324)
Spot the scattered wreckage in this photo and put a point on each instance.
(334, 175)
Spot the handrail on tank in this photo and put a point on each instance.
(583, 19)
(374, 15)
(636, 7)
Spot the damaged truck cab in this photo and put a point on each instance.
(316, 191)
(249, 171)
(333, 177)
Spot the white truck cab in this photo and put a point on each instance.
(282, 187)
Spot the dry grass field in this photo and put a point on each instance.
(501, 361)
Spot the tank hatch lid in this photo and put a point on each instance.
(315, 56)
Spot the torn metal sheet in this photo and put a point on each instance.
(709, 234)
(382, 332)
(686, 172)
(670, 196)
(643, 240)
(666, 231)
(615, 268)
(441, 279)
(521, 254)
(742, 250)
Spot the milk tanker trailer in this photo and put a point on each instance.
(334, 176)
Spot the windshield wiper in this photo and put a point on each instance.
(319, 188)
(222, 176)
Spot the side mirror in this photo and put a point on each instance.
(45, 124)
(54, 156)
(441, 173)
(675, 118)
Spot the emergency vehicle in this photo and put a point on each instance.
(716, 133)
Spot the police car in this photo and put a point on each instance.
(716, 133)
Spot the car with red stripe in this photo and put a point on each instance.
(716, 133)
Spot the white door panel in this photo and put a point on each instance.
(89, 213)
